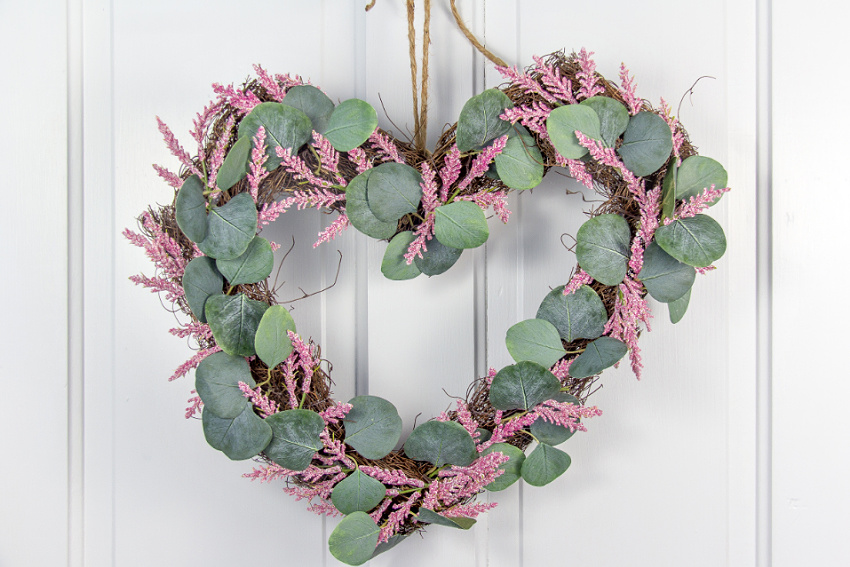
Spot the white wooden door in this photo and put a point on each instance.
(732, 450)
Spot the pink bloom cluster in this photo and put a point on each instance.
(630, 311)
(328, 157)
(673, 123)
(193, 362)
(430, 201)
(561, 369)
(532, 117)
(303, 358)
(566, 414)
(697, 204)
(259, 400)
(587, 76)
(579, 279)
(195, 329)
(333, 414)
(333, 230)
(397, 517)
(257, 171)
(460, 483)
(358, 157)
(195, 405)
(627, 89)
(385, 148)
(392, 477)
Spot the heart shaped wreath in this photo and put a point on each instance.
(263, 392)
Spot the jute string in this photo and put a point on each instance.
(420, 88)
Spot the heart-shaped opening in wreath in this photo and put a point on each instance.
(274, 144)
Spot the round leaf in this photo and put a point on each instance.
(295, 438)
(217, 382)
(552, 433)
(239, 438)
(698, 173)
(361, 216)
(235, 165)
(358, 491)
(523, 386)
(312, 102)
(647, 144)
(286, 127)
(512, 468)
(437, 259)
(602, 248)
(665, 278)
(613, 117)
(544, 464)
(271, 341)
(190, 210)
(394, 266)
(520, 164)
(697, 241)
(535, 340)
(441, 443)
(479, 122)
(431, 517)
(233, 320)
(461, 224)
(351, 124)
(597, 356)
(578, 315)
(668, 191)
(563, 123)
(393, 190)
(679, 307)
(354, 539)
(253, 265)
(201, 280)
(372, 427)
(230, 228)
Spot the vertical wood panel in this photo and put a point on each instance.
(172, 492)
(34, 226)
(811, 455)
(636, 472)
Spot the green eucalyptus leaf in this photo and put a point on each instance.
(252, 266)
(577, 315)
(597, 356)
(665, 278)
(358, 491)
(295, 438)
(647, 144)
(431, 517)
(461, 224)
(668, 191)
(271, 341)
(613, 117)
(360, 215)
(217, 383)
(286, 127)
(535, 340)
(354, 539)
(230, 228)
(372, 427)
(512, 468)
(312, 102)
(351, 124)
(697, 241)
(190, 210)
(233, 320)
(602, 248)
(441, 443)
(563, 123)
(698, 173)
(394, 266)
(552, 433)
(201, 281)
(523, 386)
(679, 307)
(520, 164)
(544, 464)
(437, 259)
(393, 190)
(479, 122)
(239, 438)
(235, 165)
(389, 544)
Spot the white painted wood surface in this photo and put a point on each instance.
(112, 474)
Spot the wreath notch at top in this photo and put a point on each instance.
(275, 143)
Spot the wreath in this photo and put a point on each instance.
(263, 391)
